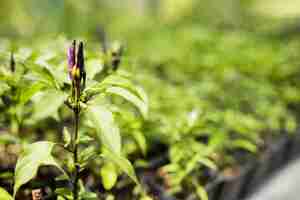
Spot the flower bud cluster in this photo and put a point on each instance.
(76, 68)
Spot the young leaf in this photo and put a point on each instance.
(44, 75)
(122, 163)
(64, 193)
(86, 154)
(140, 140)
(207, 162)
(5, 195)
(126, 94)
(109, 175)
(66, 137)
(244, 144)
(32, 157)
(107, 130)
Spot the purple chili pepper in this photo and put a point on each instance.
(80, 58)
(80, 63)
(71, 58)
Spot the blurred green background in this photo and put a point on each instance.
(217, 72)
(29, 18)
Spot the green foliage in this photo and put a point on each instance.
(109, 175)
(32, 157)
(212, 92)
(5, 195)
(37, 92)
(107, 130)
(122, 163)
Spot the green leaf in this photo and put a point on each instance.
(121, 81)
(88, 196)
(94, 89)
(85, 139)
(129, 96)
(64, 193)
(28, 92)
(44, 75)
(244, 144)
(207, 162)
(86, 154)
(140, 140)
(32, 157)
(122, 163)
(107, 130)
(5, 195)
(109, 175)
(66, 137)
(47, 104)
(115, 80)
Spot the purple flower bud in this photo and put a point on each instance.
(80, 58)
(71, 57)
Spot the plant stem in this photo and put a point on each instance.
(75, 147)
(75, 158)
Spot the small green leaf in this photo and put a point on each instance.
(107, 130)
(85, 139)
(66, 137)
(64, 193)
(244, 144)
(109, 175)
(86, 154)
(88, 196)
(207, 162)
(140, 140)
(5, 195)
(122, 163)
(129, 96)
(32, 157)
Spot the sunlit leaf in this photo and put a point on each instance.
(32, 157)
(107, 130)
(126, 94)
(207, 162)
(122, 163)
(5, 195)
(47, 104)
(244, 144)
(109, 175)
